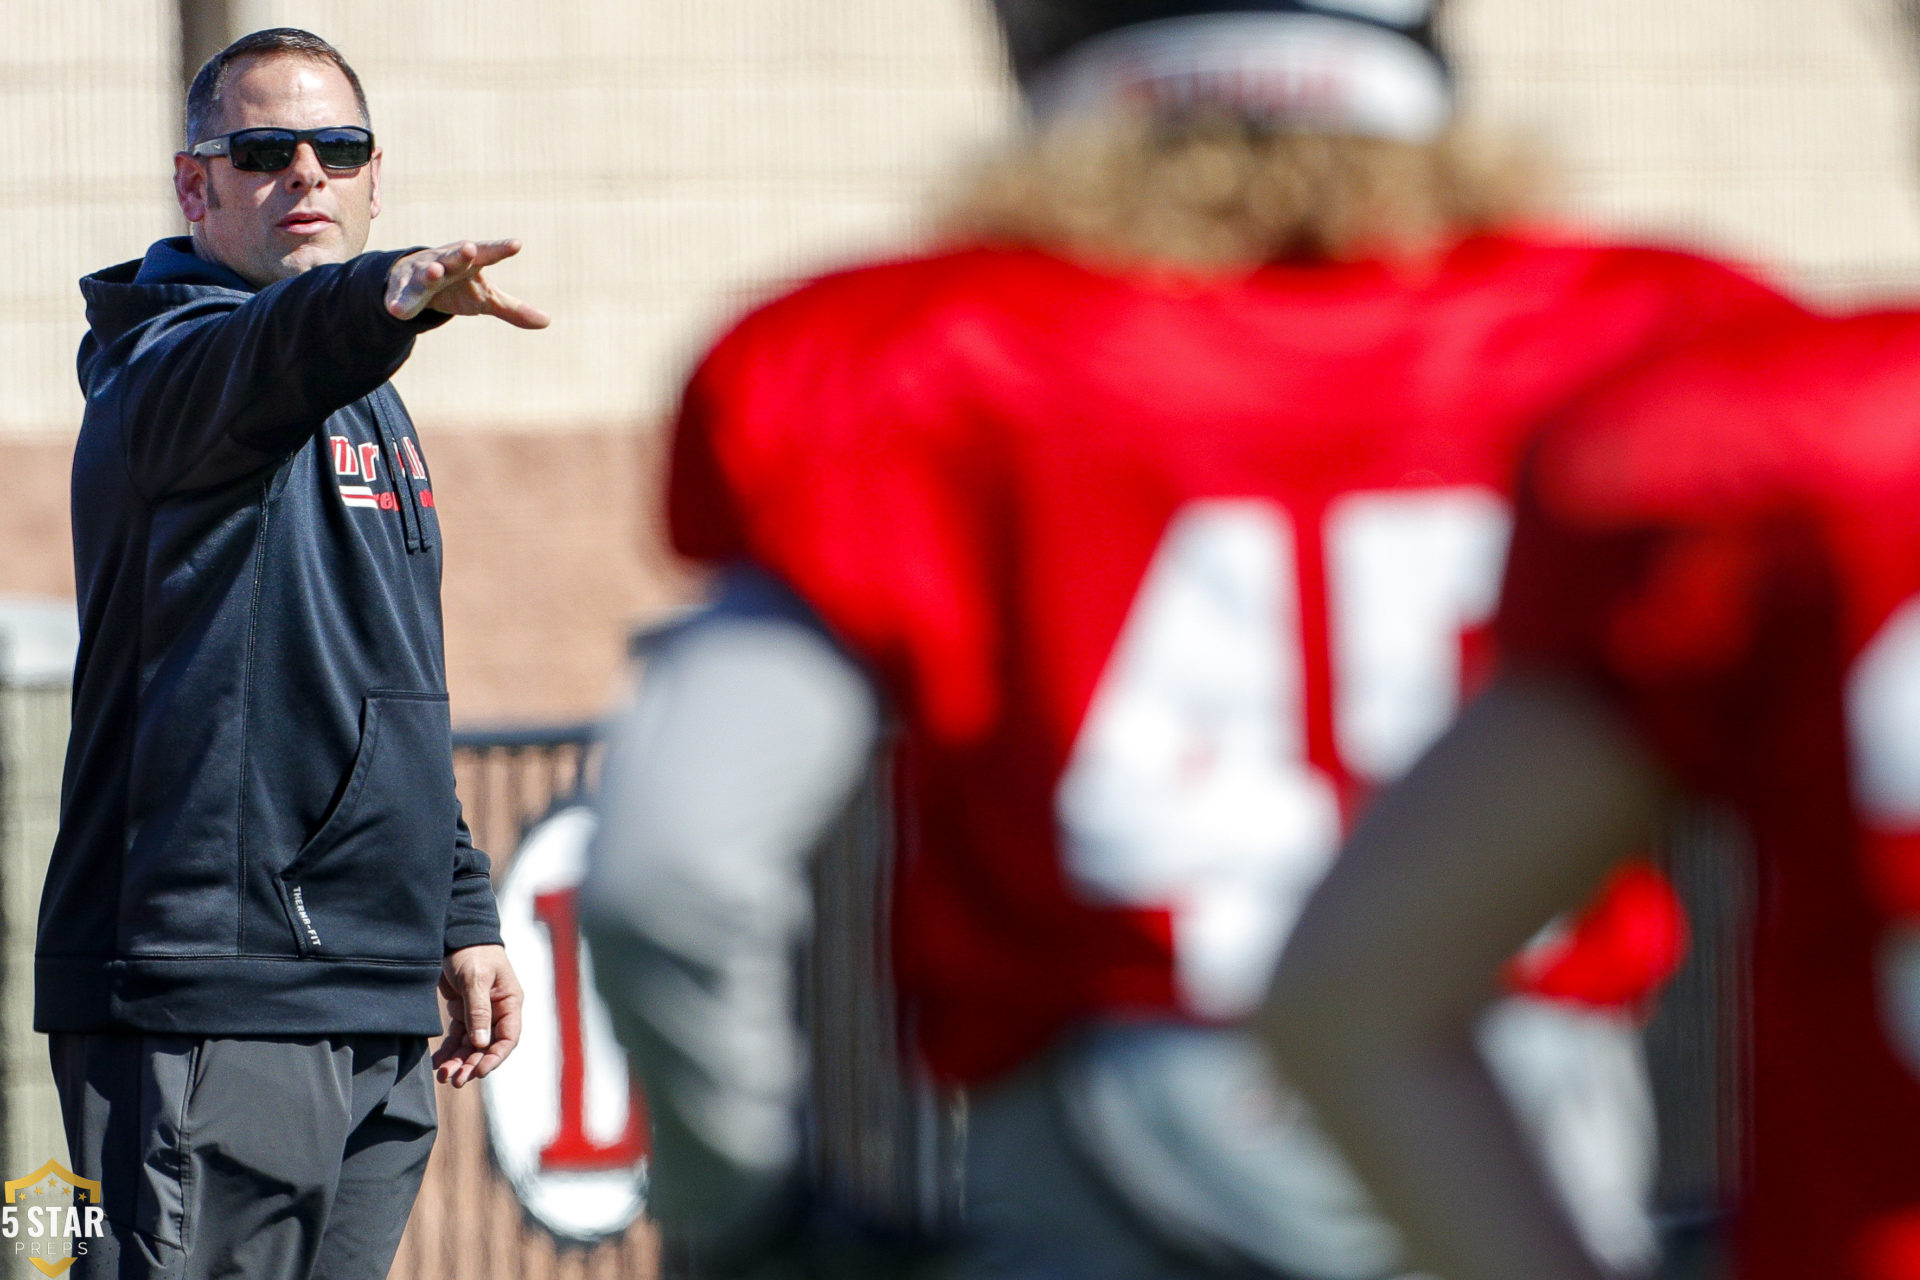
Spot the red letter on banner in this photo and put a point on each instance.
(572, 1148)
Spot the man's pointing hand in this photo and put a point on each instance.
(449, 279)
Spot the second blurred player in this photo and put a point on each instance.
(1165, 514)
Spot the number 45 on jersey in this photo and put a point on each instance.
(1190, 788)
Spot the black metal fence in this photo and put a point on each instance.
(509, 778)
(881, 1138)
(1698, 1044)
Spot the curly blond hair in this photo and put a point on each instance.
(1217, 191)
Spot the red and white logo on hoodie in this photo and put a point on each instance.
(361, 462)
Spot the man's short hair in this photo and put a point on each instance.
(210, 82)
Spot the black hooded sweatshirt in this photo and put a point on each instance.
(258, 828)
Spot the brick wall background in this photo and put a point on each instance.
(667, 161)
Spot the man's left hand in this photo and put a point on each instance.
(483, 1014)
(450, 279)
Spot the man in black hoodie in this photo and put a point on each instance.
(261, 871)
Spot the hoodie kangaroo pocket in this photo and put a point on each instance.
(374, 880)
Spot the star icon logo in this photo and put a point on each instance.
(53, 1179)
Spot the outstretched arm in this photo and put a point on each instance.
(218, 391)
(750, 733)
(1515, 815)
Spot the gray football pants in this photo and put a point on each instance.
(293, 1158)
(1154, 1151)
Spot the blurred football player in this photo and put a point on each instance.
(1164, 514)
(1714, 590)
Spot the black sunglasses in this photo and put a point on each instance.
(344, 146)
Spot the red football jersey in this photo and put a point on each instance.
(1729, 546)
(1160, 573)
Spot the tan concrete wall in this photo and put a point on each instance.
(87, 92)
(666, 159)
(1780, 130)
(661, 159)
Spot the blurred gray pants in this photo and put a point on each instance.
(1157, 1151)
(285, 1158)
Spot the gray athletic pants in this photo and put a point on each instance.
(287, 1158)
(1158, 1151)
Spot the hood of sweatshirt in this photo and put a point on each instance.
(120, 297)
